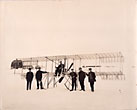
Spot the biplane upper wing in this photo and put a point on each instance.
(75, 57)
(116, 56)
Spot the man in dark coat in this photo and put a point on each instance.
(59, 69)
(39, 78)
(29, 78)
(91, 78)
(74, 79)
(82, 76)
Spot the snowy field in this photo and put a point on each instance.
(65, 27)
(108, 95)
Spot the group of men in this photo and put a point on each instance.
(82, 75)
(29, 78)
(60, 69)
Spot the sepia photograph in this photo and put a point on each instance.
(68, 55)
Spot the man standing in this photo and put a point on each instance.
(82, 76)
(39, 78)
(91, 78)
(29, 78)
(74, 79)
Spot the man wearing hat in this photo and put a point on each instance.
(39, 78)
(74, 79)
(91, 78)
(29, 78)
(59, 69)
(82, 76)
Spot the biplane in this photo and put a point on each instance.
(108, 66)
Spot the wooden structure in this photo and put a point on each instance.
(109, 66)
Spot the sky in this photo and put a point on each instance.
(56, 27)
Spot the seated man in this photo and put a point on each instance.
(59, 69)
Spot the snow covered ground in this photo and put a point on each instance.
(108, 95)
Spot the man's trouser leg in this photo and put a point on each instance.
(41, 85)
(92, 85)
(72, 84)
(59, 72)
(75, 84)
(30, 85)
(37, 84)
(27, 85)
(83, 86)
